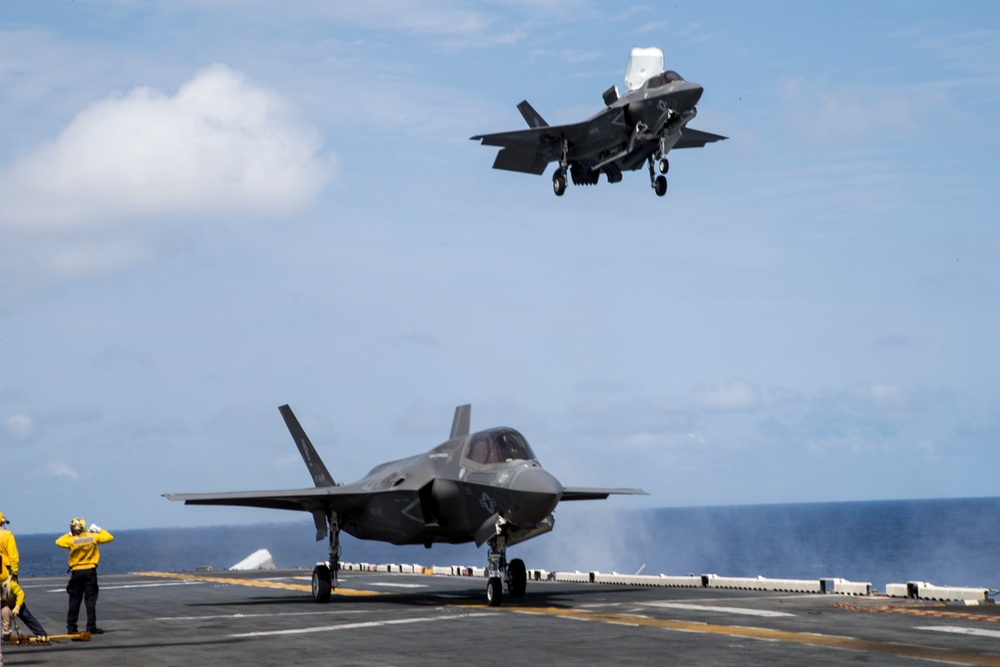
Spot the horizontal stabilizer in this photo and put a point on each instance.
(582, 493)
(524, 160)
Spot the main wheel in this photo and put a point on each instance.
(663, 165)
(321, 583)
(517, 578)
(494, 592)
(559, 182)
(660, 186)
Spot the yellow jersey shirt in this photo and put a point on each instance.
(8, 549)
(83, 551)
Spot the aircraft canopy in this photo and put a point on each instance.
(498, 445)
(663, 78)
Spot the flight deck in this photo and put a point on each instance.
(269, 617)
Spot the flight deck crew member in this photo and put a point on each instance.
(12, 596)
(83, 556)
(8, 547)
(3, 579)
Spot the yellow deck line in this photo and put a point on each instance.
(806, 638)
(253, 582)
(935, 611)
(828, 641)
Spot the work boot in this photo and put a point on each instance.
(96, 631)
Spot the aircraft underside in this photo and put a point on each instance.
(589, 173)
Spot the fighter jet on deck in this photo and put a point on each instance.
(485, 487)
(642, 125)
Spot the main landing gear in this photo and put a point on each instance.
(559, 182)
(659, 183)
(324, 577)
(499, 571)
(559, 178)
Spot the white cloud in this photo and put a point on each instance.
(20, 425)
(220, 145)
(60, 469)
(728, 395)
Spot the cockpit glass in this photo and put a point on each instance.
(663, 78)
(499, 446)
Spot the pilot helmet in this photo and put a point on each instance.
(77, 526)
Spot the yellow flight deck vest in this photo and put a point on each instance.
(12, 595)
(8, 549)
(83, 552)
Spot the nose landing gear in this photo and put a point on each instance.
(499, 571)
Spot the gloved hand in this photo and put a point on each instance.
(16, 610)
(94, 528)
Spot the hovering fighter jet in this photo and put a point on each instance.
(485, 487)
(642, 125)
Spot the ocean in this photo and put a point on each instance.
(944, 542)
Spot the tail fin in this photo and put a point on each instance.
(460, 424)
(531, 117)
(321, 476)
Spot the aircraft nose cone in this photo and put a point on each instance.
(537, 493)
(692, 94)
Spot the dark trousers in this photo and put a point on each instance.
(29, 620)
(82, 586)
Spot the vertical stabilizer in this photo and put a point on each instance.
(531, 117)
(460, 424)
(321, 476)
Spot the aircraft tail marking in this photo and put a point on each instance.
(531, 117)
(321, 476)
(460, 424)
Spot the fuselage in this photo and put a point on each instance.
(450, 492)
(629, 129)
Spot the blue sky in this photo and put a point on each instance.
(209, 211)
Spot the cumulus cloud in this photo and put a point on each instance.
(221, 144)
(20, 425)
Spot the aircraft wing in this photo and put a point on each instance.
(584, 493)
(692, 138)
(530, 151)
(323, 499)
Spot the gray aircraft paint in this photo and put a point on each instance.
(485, 486)
(642, 126)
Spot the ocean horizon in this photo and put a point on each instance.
(945, 542)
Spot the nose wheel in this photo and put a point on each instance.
(499, 571)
